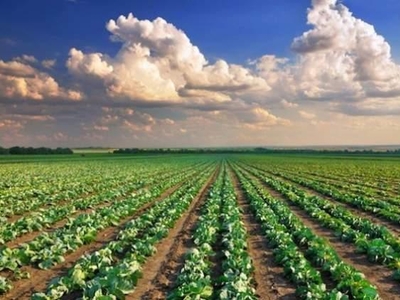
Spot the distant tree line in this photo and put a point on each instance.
(174, 151)
(151, 151)
(34, 151)
(257, 150)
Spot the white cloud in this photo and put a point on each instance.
(344, 56)
(10, 124)
(27, 59)
(101, 128)
(287, 104)
(340, 60)
(263, 118)
(158, 63)
(93, 64)
(307, 115)
(16, 69)
(48, 63)
(20, 80)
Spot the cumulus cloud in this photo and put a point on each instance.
(307, 115)
(264, 118)
(340, 59)
(158, 62)
(18, 79)
(344, 56)
(16, 69)
(370, 107)
(27, 59)
(287, 104)
(48, 63)
(93, 64)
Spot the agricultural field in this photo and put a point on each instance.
(200, 227)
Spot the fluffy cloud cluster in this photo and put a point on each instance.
(19, 79)
(343, 57)
(157, 62)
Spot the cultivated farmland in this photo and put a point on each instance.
(200, 227)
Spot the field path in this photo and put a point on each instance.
(161, 270)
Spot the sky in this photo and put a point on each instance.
(163, 73)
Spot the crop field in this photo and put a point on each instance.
(200, 226)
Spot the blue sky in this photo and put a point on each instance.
(215, 26)
(234, 32)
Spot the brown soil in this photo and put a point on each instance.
(268, 276)
(161, 270)
(22, 289)
(391, 226)
(378, 275)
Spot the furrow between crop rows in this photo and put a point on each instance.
(162, 269)
(269, 281)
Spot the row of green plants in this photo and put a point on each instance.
(346, 187)
(237, 267)
(45, 217)
(194, 280)
(17, 202)
(363, 177)
(376, 241)
(386, 210)
(372, 173)
(306, 258)
(113, 271)
(220, 233)
(340, 183)
(46, 186)
(48, 249)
